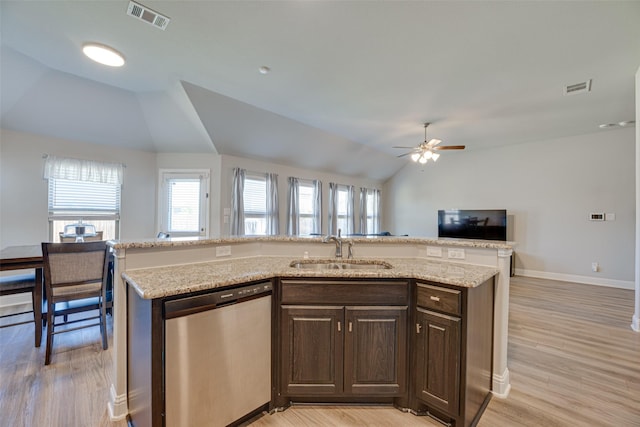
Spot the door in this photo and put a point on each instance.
(438, 360)
(311, 350)
(375, 351)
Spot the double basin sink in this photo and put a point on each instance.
(341, 265)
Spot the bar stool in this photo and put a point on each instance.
(19, 284)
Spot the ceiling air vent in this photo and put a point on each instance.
(578, 88)
(147, 15)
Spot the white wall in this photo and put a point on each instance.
(548, 189)
(23, 191)
(230, 162)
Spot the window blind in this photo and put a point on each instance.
(83, 198)
(184, 205)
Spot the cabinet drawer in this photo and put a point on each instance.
(344, 292)
(442, 299)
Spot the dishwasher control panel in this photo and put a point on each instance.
(245, 291)
(197, 303)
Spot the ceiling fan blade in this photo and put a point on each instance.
(406, 148)
(405, 154)
(450, 147)
(434, 142)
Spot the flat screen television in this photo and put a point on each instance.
(481, 224)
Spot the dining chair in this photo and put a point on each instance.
(19, 284)
(72, 272)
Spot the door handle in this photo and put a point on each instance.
(350, 326)
(339, 327)
(418, 328)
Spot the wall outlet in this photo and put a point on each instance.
(434, 251)
(595, 267)
(455, 253)
(223, 250)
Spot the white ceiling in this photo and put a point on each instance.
(349, 79)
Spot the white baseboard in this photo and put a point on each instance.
(588, 280)
(501, 384)
(17, 299)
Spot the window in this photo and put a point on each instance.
(369, 211)
(304, 207)
(340, 208)
(255, 205)
(254, 201)
(184, 202)
(83, 191)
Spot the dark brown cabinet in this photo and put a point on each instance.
(342, 351)
(312, 343)
(438, 360)
(375, 351)
(453, 351)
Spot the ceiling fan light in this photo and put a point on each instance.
(415, 156)
(435, 156)
(423, 159)
(427, 154)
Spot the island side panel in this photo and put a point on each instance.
(144, 360)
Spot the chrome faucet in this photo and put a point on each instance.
(338, 241)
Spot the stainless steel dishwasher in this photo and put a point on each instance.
(217, 356)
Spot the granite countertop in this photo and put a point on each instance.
(201, 241)
(161, 282)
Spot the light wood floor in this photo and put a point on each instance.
(573, 358)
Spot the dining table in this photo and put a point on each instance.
(27, 257)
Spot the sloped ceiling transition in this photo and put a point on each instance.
(349, 80)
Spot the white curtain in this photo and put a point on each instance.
(317, 207)
(369, 208)
(237, 202)
(363, 211)
(350, 220)
(83, 170)
(273, 210)
(333, 208)
(293, 201)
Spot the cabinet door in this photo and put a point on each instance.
(438, 360)
(311, 350)
(375, 352)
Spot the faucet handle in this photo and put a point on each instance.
(339, 232)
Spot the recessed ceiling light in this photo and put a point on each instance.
(264, 69)
(104, 55)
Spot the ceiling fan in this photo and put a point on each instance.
(427, 150)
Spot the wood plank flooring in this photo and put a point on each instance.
(573, 358)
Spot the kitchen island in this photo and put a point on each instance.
(160, 268)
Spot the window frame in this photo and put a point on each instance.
(204, 176)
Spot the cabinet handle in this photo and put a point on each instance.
(339, 327)
(418, 328)
(350, 326)
(434, 298)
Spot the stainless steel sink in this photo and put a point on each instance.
(341, 265)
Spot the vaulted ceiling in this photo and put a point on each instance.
(348, 81)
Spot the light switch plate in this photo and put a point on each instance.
(223, 250)
(434, 251)
(455, 253)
